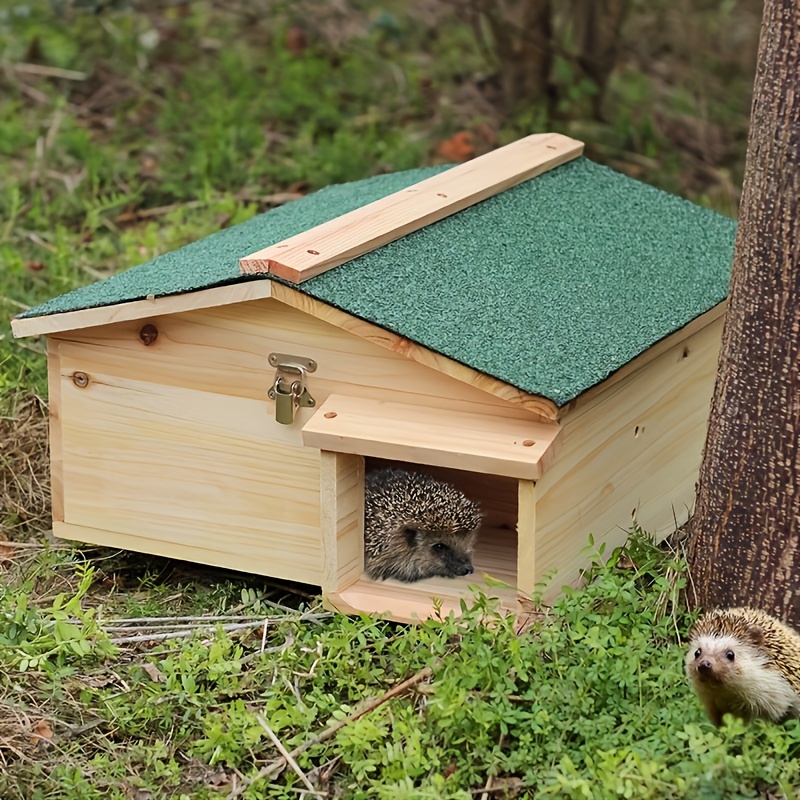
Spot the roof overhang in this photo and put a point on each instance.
(141, 309)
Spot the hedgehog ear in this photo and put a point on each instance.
(411, 534)
(755, 635)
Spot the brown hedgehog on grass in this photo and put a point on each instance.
(416, 527)
(744, 662)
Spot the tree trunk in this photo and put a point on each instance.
(598, 27)
(744, 546)
(523, 44)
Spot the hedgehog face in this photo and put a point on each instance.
(445, 554)
(740, 661)
(731, 676)
(717, 659)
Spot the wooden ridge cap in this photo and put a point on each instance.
(344, 238)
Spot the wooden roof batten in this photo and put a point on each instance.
(351, 235)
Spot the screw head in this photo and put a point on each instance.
(148, 334)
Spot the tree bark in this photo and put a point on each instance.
(522, 31)
(744, 545)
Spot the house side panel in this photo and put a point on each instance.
(195, 473)
(630, 455)
(55, 416)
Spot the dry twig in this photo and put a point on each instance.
(286, 754)
(154, 629)
(50, 72)
(330, 731)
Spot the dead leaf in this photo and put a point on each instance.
(458, 147)
(34, 266)
(296, 41)
(625, 562)
(138, 794)
(218, 779)
(98, 681)
(42, 734)
(148, 164)
(156, 675)
(7, 551)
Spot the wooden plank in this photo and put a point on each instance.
(55, 422)
(543, 408)
(342, 519)
(141, 309)
(526, 538)
(187, 473)
(629, 455)
(186, 550)
(342, 239)
(495, 555)
(460, 440)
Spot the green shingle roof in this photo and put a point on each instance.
(550, 286)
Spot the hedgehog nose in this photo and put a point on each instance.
(468, 570)
(704, 667)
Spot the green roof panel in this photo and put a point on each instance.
(550, 286)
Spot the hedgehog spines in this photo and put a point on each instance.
(417, 527)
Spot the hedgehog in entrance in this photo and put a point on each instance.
(416, 527)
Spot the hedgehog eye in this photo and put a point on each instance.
(730, 655)
(697, 653)
(440, 547)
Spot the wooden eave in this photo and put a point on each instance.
(140, 309)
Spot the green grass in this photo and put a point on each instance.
(173, 121)
(589, 702)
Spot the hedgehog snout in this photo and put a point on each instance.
(468, 569)
(705, 667)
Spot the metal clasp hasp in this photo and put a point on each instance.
(289, 387)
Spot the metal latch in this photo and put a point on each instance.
(289, 387)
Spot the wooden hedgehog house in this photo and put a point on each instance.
(534, 328)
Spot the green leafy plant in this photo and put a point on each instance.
(32, 638)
